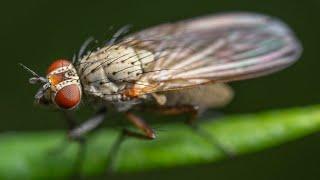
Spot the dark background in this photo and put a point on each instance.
(37, 32)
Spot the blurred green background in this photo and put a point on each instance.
(37, 32)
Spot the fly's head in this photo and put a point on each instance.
(61, 86)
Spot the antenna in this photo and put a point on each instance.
(36, 78)
(29, 70)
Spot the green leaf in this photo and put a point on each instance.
(26, 155)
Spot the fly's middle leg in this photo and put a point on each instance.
(147, 133)
(192, 122)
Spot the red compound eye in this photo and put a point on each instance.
(68, 97)
(57, 64)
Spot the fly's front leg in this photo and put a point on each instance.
(77, 133)
(89, 125)
(71, 124)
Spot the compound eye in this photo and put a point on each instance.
(68, 97)
(58, 64)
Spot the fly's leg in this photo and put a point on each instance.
(177, 110)
(146, 133)
(77, 134)
(193, 111)
(71, 124)
(87, 126)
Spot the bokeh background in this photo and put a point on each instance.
(37, 32)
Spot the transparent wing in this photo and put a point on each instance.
(220, 48)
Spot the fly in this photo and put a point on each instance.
(172, 68)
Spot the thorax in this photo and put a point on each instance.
(107, 72)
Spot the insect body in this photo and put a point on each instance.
(108, 72)
(180, 67)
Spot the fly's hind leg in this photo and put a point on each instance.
(146, 133)
(193, 111)
(177, 110)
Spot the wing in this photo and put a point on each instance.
(220, 48)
